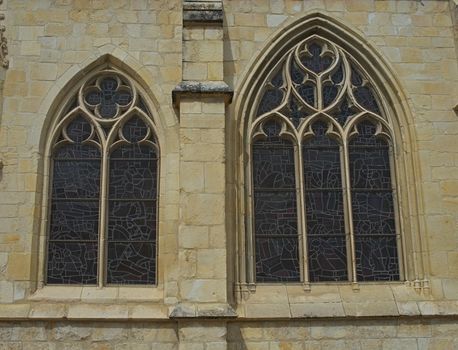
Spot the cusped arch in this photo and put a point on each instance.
(65, 99)
(399, 121)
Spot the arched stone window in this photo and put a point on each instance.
(321, 176)
(103, 188)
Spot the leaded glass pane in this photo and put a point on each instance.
(72, 263)
(314, 60)
(131, 257)
(74, 219)
(324, 207)
(131, 262)
(273, 95)
(277, 259)
(376, 258)
(275, 208)
(373, 206)
(327, 258)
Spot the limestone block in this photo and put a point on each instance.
(47, 311)
(203, 51)
(370, 308)
(196, 331)
(192, 176)
(6, 292)
(214, 177)
(267, 311)
(193, 237)
(97, 311)
(317, 309)
(203, 209)
(210, 263)
(204, 290)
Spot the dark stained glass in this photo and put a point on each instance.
(273, 95)
(315, 61)
(344, 111)
(72, 263)
(307, 91)
(275, 208)
(131, 257)
(74, 219)
(294, 110)
(132, 220)
(373, 206)
(363, 93)
(108, 97)
(277, 259)
(78, 129)
(324, 207)
(135, 130)
(327, 258)
(131, 262)
(376, 258)
(76, 178)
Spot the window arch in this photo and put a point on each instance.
(321, 172)
(102, 208)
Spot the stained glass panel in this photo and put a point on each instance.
(72, 263)
(277, 259)
(376, 258)
(131, 262)
(373, 206)
(74, 219)
(327, 258)
(131, 257)
(315, 61)
(273, 95)
(108, 97)
(324, 207)
(275, 208)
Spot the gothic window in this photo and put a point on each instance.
(104, 187)
(322, 176)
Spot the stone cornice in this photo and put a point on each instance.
(202, 12)
(203, 89)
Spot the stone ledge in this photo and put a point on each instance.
(202, 13)
(201, 88)
(181, 311)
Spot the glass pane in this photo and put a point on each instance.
(324, 210)
(135, 130)
(324, 207)
(78, 129)
(134, 151)
(131, 263)
(327, 258)
(277, 260)
(74, 220)
(76, 179)
(370, 168)
(72, 263)
(373, 213)
(132, 220)
(275, 213)
(132, 208)
(76, 151)
(275, 208)
(273, 167)
(373, 207)
(273, 95)
(133, 178)
(376, 258)
(314, 60)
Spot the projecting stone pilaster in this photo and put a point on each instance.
(201, 99)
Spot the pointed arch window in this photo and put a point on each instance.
(322, 175)
(104, 187)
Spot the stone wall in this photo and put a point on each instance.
(189, 58)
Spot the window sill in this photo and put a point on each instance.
(99, 295)
(341, 300)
